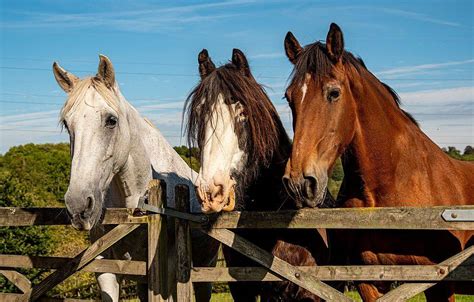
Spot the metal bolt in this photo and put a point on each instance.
(454, 215)
(442, 271)
(297, 275)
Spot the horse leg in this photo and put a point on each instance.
(204, 253)
(109, 287)
(440, 293)
(368, 292)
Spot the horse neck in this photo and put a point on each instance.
(388, 150)
(154, 158)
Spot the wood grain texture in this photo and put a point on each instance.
(341, 273)
(157, 243)
(183, 246)
(122, 267)
(276, 265)
(58, 216)
(408, 290)
(19, 280)
(407, 218)
(82, 259)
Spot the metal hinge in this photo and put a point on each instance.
(458, 215)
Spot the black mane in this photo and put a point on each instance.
(262, 136)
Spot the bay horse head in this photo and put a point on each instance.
(320, 98)
(96, 119)
(234, 124)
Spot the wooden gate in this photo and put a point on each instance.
(163, 284)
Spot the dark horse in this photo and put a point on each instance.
(341, 109)
(244, 149)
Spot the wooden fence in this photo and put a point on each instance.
(163, 284)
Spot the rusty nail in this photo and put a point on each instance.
(454, 215)
(442, 271)
(297, 275)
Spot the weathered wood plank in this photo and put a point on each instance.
(275, 264)
(19, 297)
(183, 246)
(341, 218)
(82, 259)
(157, 245)
(13, 297)
(19, 280)
(122, 267)
(408, 290)
(58, 216)
(340, 273)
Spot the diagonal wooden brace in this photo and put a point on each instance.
(277, 265)
(82, 259)
(408, 290)
(19, 280)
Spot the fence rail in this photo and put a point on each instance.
(164, 282)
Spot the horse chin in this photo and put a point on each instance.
(84, 224)
(230, 206)
(81, 225)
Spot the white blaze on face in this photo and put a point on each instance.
(219, 156)
(304, 88)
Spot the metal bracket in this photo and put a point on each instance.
(458, 215)
(170, 212)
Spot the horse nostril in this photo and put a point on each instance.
(90, 203)
(310, 185)
(217, 191)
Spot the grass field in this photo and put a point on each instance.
(226, 297)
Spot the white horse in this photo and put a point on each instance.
(115, 153)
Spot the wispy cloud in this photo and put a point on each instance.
(423, 67)
(400, 12)
(269, 55)
(129, 20)
(418, 16)
(445, 96)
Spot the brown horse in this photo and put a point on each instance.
(244, 148)
(340, 109)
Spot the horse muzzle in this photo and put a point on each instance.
(306, 191)
(216, 199)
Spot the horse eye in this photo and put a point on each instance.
(334, 94)
(111, 122)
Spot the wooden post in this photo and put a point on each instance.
(183, 246)
(157, 267)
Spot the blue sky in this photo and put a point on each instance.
(423, 49)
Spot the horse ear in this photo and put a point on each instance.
(335, 42)
(239, 60)
(106, 71)
(292, 47)
(206, 66)
(65, 79)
